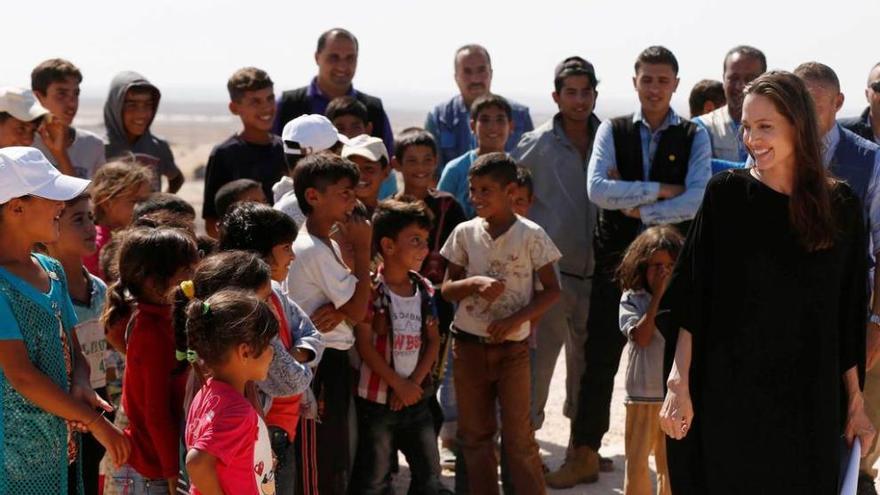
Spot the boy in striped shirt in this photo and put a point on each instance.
(398, 346)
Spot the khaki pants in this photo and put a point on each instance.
(643, 436)
(486, 375)
(872, 407)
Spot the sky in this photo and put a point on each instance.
(189, 48)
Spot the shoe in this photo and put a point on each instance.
(581, 466)
(606, 465)
(866, 485)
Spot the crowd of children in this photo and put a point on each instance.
(324, 323)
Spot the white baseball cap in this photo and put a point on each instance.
(369, 147)
(21, 104)
(26, 171)
(310, 134)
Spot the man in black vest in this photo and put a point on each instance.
(868, 124)
(336, 56)
(647, 168)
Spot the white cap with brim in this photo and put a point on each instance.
(25, 171)
(21, 104)
(369, 147)
(310, 134)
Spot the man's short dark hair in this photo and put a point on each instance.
(330, 33)
(574, 66)
(247, 79)
(392, 216)
(657, 55)
(52, 71)
(163, 201)
(703, 91)
(230, 193)
(255, 227)
(498, 166)
(487, 101)
(413, 136)
(524, 179)
(347, 105)
(319, 171)
(472, 47)
(748, 51)
(817, 72)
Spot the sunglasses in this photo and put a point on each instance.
(875, 86)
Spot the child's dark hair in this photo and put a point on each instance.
(524, 179)
(703, 91)
(238, 270)
(247, 79)
(632, 272)
(394, 215)
(226, 319)
(487, 101)
(347, 105)
(52, 71)
(656, 55)
(230, 193)
(108, 258)
(147, 256)
(319, 171)
(163, 201)
(255, 227)
(498, 166)
(413, 136)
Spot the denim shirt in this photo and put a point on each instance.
(450, 125)
(454, 180)
(615, 194)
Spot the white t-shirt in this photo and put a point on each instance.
(86, 153)
(406, 324)
(282, 187)
(264, 462)
(317, 277)
(289, 205)
(512, 258)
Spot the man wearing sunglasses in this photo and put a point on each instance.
(868, 124)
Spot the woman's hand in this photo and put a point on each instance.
(677, 413)
(113, 440)
(858, 424)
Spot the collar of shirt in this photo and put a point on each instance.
(672, 118)
(829, 144)
(315, 92)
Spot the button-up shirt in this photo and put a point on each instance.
(561, 207)
(449, 123)
(615, 194)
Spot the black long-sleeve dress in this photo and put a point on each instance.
(774, 329)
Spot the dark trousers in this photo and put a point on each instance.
(602, 353)
(380, 430)
(333, 383)
(285, 461)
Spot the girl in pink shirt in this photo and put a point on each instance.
(228, 447)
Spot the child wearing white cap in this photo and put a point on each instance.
(20, 116)
(45, 380)
(371, 157)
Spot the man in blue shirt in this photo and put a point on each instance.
(449, 122)
(336, 56)
(742, 64)
(647, 168)
(856, 161)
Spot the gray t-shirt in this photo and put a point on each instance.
(644, 370)
(86, 152)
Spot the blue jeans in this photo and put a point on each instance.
(127, 481)
(412, 431)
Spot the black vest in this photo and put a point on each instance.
(295, 102)
(614, 230)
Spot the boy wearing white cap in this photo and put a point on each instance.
(20, 116)
(44, 378)
(371, 157)
(302, 136)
